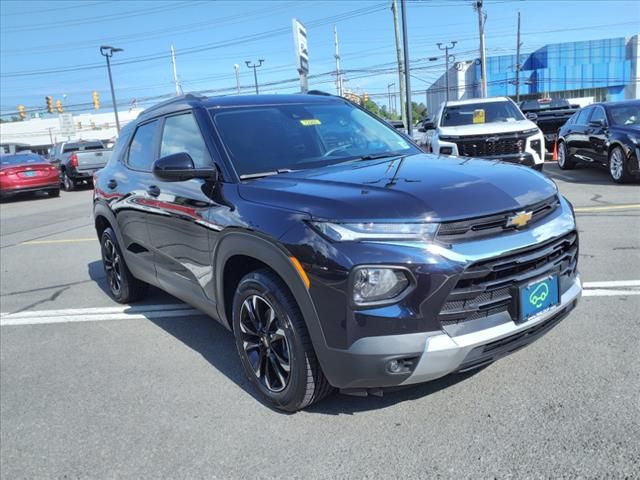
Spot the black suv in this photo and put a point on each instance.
(605, 134)
(337, 253)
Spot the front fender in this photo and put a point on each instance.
(277, 258)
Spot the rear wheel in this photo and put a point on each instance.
(124, 287)
(565, 162)
(618, 166)
(67, 183)
(274, 344)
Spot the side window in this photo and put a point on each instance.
(181, 134)
(142, 149)
(583, 116)
(598, 114)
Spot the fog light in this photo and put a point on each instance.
(394, 366)
(446, 150)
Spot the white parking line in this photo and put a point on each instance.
(612, 284)
(148, 312)
(608, 293)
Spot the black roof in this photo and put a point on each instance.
(191, 100)
(618, 102)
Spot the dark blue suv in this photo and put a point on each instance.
(338, 254)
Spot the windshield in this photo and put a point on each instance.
(626, 114)
(299, 136)
(6, 160)
(474, 113)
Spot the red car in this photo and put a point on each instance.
(27, 172)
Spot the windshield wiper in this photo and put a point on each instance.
(376, 156)
(249, 176)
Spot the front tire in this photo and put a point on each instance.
(274, 345)
(618, 166)
(565, 162)
(124, 287)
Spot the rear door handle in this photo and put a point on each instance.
(111, 184)
(153, 190)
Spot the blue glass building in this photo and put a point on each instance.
(595, 70)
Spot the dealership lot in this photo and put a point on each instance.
(92, 389)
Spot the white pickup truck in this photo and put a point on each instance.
(78, 161)
(490, 128)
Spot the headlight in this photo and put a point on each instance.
(448, 138)
(374, 285)
(531, 131)
(344, 232)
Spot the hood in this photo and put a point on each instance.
(419, 188)
(488, 128)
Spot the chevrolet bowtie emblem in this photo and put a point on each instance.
(519, 220)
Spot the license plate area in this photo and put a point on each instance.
(29, 173)
(538, 296)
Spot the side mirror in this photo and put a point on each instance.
(596, 123)
(421, 129)
(179, 167)
(532, 116)
(428, 125)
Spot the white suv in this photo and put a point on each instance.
(491, 128)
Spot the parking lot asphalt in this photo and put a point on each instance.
(89, 389)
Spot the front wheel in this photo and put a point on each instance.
(274, 344)
(618, 166)
(124, 287)
(565, 162)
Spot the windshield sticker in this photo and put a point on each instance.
(310, 121)
(478, 116)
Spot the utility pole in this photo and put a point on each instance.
(337, 55)
(518, 66)
(407, 78)
(482, 18)
(175, 72)
(236, 67)
(389, 85)
(446, 75)
(396, 26)
(107, 52)
(255, 74)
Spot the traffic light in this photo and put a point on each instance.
(96, 100)
(49, 101)
(59, 106)
(21, 112)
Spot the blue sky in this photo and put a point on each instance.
(210, 36)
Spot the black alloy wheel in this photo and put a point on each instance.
(123, 286)
(274, 345)
(265, 343)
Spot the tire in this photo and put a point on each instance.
(274, 345)
(565, 162)
(618, 168)
(123, 286)
(68, 185)
(55, 192)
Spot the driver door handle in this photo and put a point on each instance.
(153, 190)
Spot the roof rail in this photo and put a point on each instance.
(319, 92)
(187, 96)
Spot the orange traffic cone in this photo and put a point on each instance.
(555, 151)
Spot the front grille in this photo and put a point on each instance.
(493, 224)
(489, 146)
(490, 286)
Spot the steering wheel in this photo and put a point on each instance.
(336, 149)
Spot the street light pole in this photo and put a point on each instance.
(236, 67)
(407, 78)
(107, 52)
(389, 94)
(255, 73)
(446, 75)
